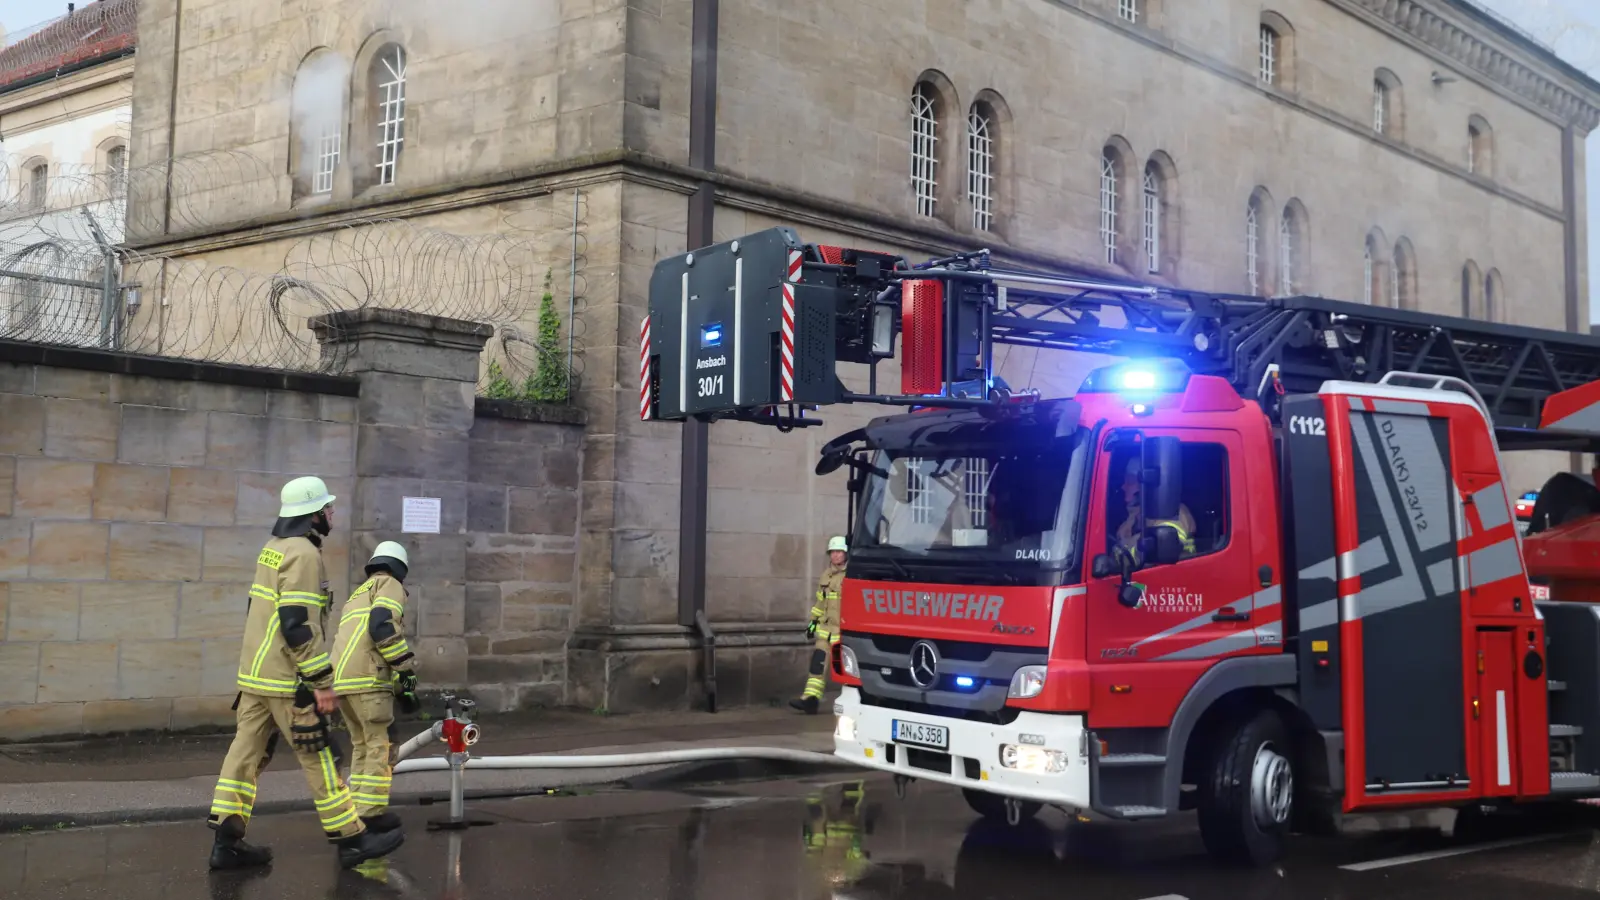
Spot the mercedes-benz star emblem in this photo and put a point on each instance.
(924, 664)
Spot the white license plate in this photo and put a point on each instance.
(936, 736)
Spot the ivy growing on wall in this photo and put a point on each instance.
(547, 380)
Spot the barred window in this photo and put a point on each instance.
(1268, 63)
(38, 185)
(117, 169)
(1380, 106)
(980, 167)
(1366, 276)
(327, 150)
(1109, 164)
(391, 87)
(1252, 245)
(924, 149)
(1128, 10)
(1152, 218)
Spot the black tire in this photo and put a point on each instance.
(1229, 824)
(993, 806)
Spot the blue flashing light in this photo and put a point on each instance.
(1138, 380)
(964, 681)
(710, 336)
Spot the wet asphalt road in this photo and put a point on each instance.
(792, 839)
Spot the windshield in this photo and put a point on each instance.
(970, 501)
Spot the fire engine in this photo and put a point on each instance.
(1266, 566)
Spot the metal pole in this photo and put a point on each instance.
(702, 208)
(1569, 244)
(458, 791)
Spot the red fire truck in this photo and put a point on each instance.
(1266, 568)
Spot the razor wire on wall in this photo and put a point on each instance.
(67, 276)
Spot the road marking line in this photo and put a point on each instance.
(1168, 897)
(1453, 851)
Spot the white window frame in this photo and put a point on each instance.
(1252, 245)
(925, 149)
(117, 168)
(1267, 66)
(1396, 299)
(391, 111)
(1286, 255)
(1380, 106)
(1108, 207)
(980, 168)
(1473, 136)
(327, 156)
(976, 482)
(1366, 268)
(1128, 10)
(1152, 219)
(919, 493)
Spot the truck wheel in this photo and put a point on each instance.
(993, 806)
(1247, 795)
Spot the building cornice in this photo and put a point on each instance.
(1511, 60)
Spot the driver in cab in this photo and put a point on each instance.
(1127, 539)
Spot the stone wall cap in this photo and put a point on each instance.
(345, 324)
(529, 411)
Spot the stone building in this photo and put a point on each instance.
(66, 93)
(1409, 152)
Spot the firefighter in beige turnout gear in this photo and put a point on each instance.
(286, 687)
(824, 627)
(372, 663)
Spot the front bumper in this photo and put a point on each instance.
(862, 736)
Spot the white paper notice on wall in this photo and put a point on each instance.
(420, 515)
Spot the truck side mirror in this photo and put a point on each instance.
(1162, 477)
(1103, 566)
(1168, 546)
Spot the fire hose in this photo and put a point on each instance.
(458, 732)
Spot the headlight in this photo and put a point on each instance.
(1028, 682)
(847, 662)
(846, 729)
(1032, 760)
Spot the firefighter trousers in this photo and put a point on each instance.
(817, 676)
(260, 721)
(368, 715)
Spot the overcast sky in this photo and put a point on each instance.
(1572, 27)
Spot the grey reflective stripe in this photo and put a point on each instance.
(1231, 643)
(1494, 563)
(1319, 615)
(1058, 603)
(1396, 592)
(1400, 407)
(1262, 599)
(1492, 506)
(1443, 575)
(1586, 419)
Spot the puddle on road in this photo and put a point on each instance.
(795, 840)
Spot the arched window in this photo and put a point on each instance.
(1387, 107)
(1153, 209)
(981, 165)
(388, 79)
(924, 148)
(38, 184)
(1480, 146)
(1275, 51)
(1404, 284)
(317, 122)
(1292, 268)
(1110, 228)
(1494, 299)
(1472, 292)
(1258, 242)
(1375, 281)
(117, 167)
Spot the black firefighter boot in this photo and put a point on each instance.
(807, 705)
(357, 849)
(230, 851)
(384, 821)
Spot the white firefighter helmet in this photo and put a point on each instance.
(837, 542)
(391, 550)
(304, 496)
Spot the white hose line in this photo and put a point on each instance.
(420, 741)
(619, 760)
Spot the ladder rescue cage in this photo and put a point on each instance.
(753, 330)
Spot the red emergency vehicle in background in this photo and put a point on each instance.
(1268, 568)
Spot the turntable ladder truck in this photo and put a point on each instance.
(1266, 567)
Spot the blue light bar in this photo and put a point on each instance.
(1138, 380)
(1149, 376)
(964, 681)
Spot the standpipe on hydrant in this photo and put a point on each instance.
(458, 732)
